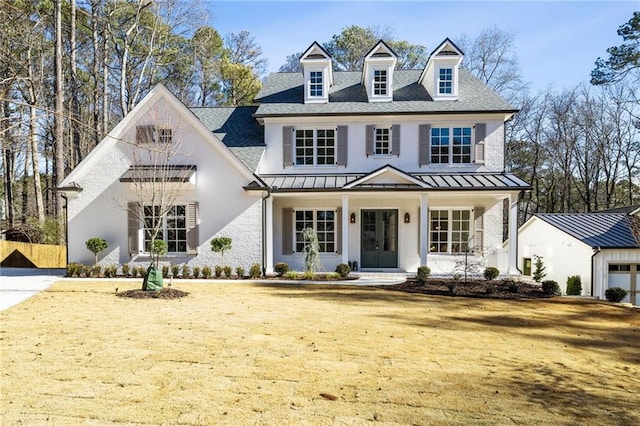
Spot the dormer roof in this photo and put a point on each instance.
(317, 54)
(447, 49)
(381, 52)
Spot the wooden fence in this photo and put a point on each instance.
(25, 255)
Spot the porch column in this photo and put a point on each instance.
(268, 235)
(424, 229)
(513, 234)
(345, 229)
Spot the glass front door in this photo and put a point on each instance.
(379, 245)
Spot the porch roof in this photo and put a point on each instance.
(172, 173)
(432, 182)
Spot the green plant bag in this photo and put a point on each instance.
(152, 279)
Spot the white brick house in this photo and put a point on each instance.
(393, 169)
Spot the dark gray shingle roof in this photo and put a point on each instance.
(238, 130)
(282, 94)
(604, 230)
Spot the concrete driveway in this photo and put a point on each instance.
(18, 284)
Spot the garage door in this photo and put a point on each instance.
(626, 276)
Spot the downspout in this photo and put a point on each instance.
(66, 227)
(596, 250)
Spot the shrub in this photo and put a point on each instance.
(186, 271)
(539, 273)
(423, 274)
(218, 271)
(175, 271)
(309, 275)
(240, 271)
(491, 273)
(615, 294)
(550, 287)
(165, 271)
(87, 270)
(227, 271)
(574, 285)
(125, 270)
(513, 286)
(95, 245)
(206, 272)
(291, 275)
(110, 271)
(457, 276)
(196, 272)
(74, 269)
(96, 270)
(255, 271)
(343, 270)
(451, 285)
(490, 289)
(281, 268)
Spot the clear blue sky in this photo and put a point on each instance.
(556, 42)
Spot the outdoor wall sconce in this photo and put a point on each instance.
(352, 218)
(407, 218)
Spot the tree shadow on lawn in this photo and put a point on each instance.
(560, 391)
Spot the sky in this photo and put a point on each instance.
(556, 42)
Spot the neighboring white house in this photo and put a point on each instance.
(602, 247)
(393, 169)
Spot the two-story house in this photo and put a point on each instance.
(393, 169)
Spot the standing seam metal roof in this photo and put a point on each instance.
(604, 230)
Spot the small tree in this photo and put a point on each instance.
(574, 285)
(311, 250)
(220, 245)
(159, 248)
(96, 245)
(539, 273)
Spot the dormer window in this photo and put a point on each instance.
(380, 83)
(441, 73)
(445, 81)
(317, 74)
(315, 84)
(377, 73)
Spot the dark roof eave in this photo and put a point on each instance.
(394, 189)
(341, 114)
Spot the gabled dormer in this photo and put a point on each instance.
(377, 72)
(441, 74)
(318, 74)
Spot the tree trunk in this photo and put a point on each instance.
(59, 111)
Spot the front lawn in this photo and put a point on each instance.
(267, 353)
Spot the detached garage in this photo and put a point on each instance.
(602, 247)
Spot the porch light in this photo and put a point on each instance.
(352, 218)
(407, 218)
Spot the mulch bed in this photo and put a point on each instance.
(164, 293)
(497, 289)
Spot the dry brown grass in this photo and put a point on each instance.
(290, 354)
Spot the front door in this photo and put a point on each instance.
(379, 245)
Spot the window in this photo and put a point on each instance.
(449, 230)
(173, 227)
(619, 268)
(165, 136)
(445, 81)
(315, 147)
(323, 221)
(446, 149)
(315, 83)
(380, 82)
(526, 267)
(382, 141)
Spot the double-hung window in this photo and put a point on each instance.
(315, 147)
(172, 227)
(449, 231)
(445, 81)
(323, 222)
(165, 135)
(380, 82)
(315, 83)
(382, 141)
(450, 145)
